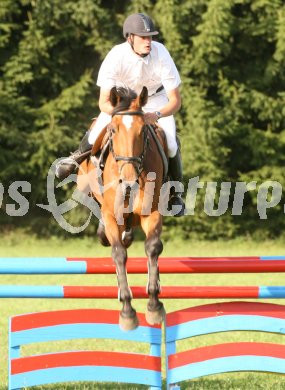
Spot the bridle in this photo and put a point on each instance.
(136, 161)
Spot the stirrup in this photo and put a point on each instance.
(64, 168)
(69, 164)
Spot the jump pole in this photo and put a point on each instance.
(167, 292)
(138, 265)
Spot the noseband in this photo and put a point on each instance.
(136, 161)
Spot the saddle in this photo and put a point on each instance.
(160, 140)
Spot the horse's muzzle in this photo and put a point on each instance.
(129, 187)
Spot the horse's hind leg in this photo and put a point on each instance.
(153, 247)
(128, 317)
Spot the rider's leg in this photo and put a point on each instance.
(69, 164)
(102, 121)
(175, 163)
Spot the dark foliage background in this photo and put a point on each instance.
(231, 56)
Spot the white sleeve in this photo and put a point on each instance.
(169, 74)
(108, 71)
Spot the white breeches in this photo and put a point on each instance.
(155, 103)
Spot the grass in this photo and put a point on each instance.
(17, 244)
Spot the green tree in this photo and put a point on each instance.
(231, 57)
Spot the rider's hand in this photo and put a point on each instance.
(150, 118)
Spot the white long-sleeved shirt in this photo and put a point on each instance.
(122, 67)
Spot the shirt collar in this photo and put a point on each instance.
(145, 60)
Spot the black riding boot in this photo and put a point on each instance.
(175, 173)
(69, 164)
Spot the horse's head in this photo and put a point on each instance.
(128, 133)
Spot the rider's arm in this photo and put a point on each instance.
(104, 101)
(173, 105)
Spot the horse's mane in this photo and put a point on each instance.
(127, 95)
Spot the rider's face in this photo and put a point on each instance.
(142, 45)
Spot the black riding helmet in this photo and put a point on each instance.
(139, 24)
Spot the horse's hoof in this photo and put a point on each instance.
(155, 317)
(102, 235)
(128, 237)
(128, 323)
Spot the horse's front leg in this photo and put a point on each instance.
(152, 226)
(128, 317)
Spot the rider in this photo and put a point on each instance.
(138, 62)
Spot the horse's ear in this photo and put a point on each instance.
(143, 97)
(114, 97)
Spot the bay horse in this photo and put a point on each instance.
(132, 177)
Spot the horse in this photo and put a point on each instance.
(132, 177)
